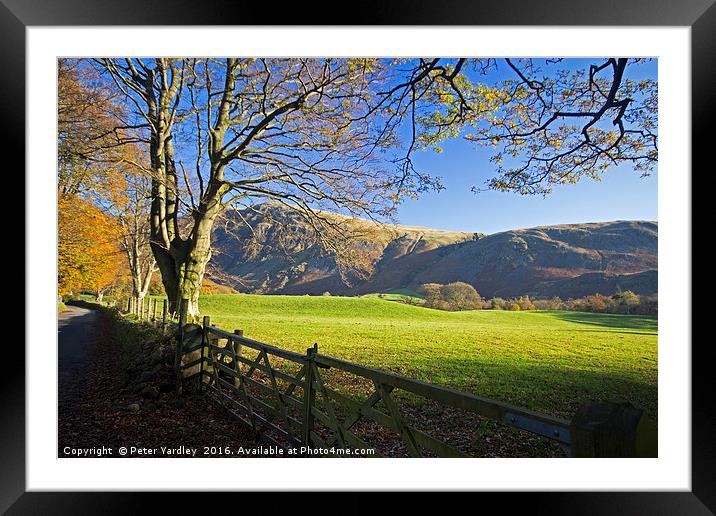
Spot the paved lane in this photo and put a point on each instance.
(78, 331)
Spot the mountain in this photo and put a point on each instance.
(273, 250)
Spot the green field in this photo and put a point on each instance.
(401, 295)
(549, 361)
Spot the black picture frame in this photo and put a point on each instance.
(700, 15)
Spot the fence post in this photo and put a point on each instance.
(164, 316)
(183, 308)
(129, 304)
(154, 309)
(204, 342)
(309, 396)
(237, 353)
(611, 429)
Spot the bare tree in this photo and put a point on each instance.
(135, 233)
(338, 134)
(550, 129)
(308, 133)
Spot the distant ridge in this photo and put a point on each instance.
(282, 256)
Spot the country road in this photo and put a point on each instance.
(99, 406)
(77, 332)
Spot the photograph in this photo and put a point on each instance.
(457, 242)
(359, 256)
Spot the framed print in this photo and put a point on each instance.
(429, 236)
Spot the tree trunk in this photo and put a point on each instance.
(182, 261)
(140, 285)
(183, 266)
(182, 278)
(138, 300)
(190, 278)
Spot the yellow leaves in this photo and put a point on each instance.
(646, 84)
(87, 246)
(362, 64)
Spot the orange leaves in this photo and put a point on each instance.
(87, 252)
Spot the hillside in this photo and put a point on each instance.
(281, 254)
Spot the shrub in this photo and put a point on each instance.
(525, 303)
(453, 296)
(554, 303)
(620, 303)
(626, 302)
(497, 303)
(461, 296)
(648, 305)
(596, 303)
(410, 300)
(431, 293)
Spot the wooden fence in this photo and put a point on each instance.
(299, 401)
(151, 309)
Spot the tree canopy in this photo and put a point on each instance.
(340, 134)
(88, 256)
(103, 198)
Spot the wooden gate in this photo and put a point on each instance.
(290, 400)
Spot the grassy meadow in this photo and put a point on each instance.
(550, 361)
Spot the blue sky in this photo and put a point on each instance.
(622, 194)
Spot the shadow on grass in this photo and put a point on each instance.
(632, 322)
(543, 387)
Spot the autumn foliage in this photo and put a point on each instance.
(87, 253)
